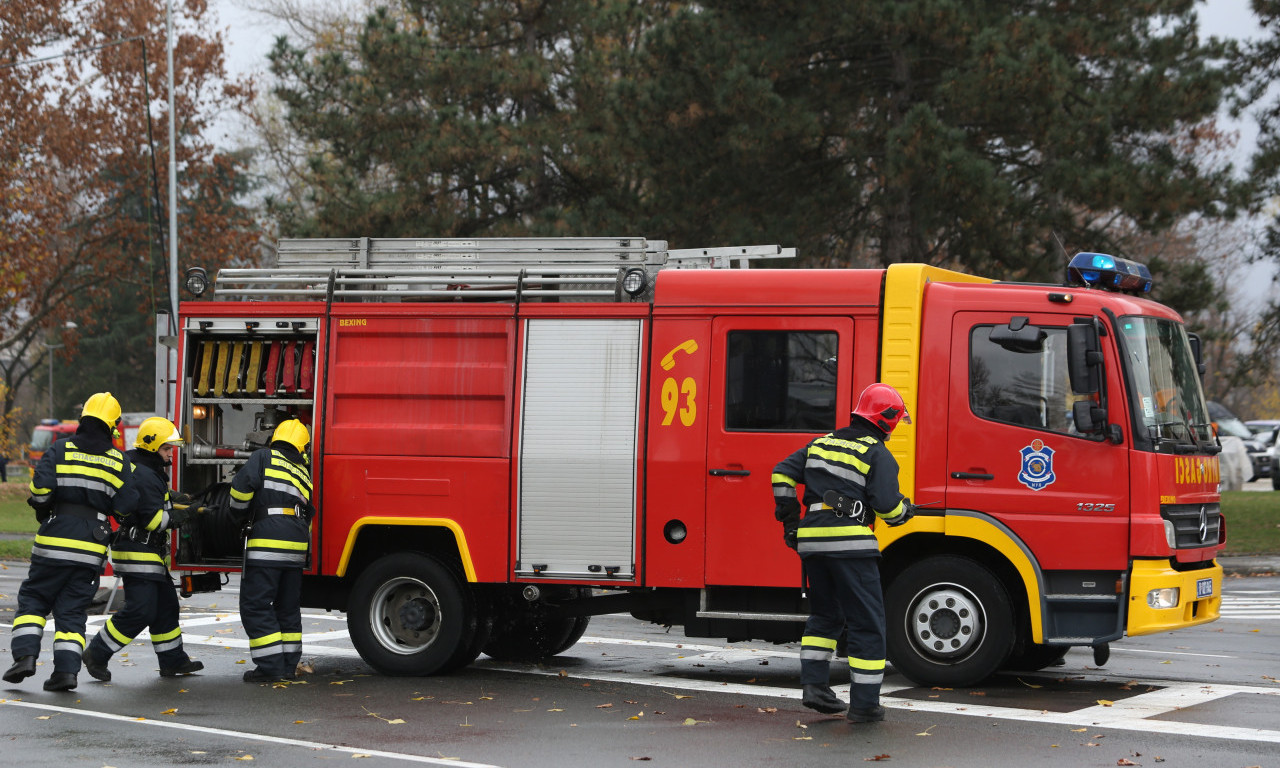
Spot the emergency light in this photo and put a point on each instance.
(1099, 270)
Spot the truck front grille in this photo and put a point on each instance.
(1194, 525)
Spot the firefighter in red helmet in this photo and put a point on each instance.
(849, 480)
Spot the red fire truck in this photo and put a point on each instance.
(510, 436)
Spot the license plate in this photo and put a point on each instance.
(1204, 588)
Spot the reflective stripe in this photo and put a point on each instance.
(111, 460)
(784, 492)
(832, 531)
(141, 569)
(161, 637)
(844, 473)
(839, 457)
(241, 495)
(90, 484)
(821, 642)
(263, 556)
(68, 637)
(277, 544)
(283, 487)
(121, 638)
(815, 655)
(780, 479)
(866, 664)
(281, 511)
(840, 545)
(28, 618)
(122, 556)
(256, 642)
(56, 541)
(866, 678)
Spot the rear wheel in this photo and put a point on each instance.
(529, 632)
(411, 614)
(949, 622)
(1034, 656)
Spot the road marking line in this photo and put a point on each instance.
(244, 735)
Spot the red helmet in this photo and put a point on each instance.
(881, 405)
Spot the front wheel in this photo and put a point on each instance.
(411, 614)
(949, 622)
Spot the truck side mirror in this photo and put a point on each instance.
(1084, 361)
(1018, 336)
(1088, 417)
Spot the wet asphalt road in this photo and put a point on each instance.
(632, 693)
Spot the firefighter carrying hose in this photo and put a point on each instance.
(138, 553)
(80, 482)
(849, 479)
(272, 495)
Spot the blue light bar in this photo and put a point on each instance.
(1100, 270)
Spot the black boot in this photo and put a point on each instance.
(23, 668)
(867, 715)
(96, 668)
(823, 699)
(60, 681)
(256, 675)
(185, 668)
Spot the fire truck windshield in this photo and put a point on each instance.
(41, 439)
(1164, 383)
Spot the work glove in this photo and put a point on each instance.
(908, 512)
(179, 515)
(790, 535)
(178, 497)
(43, 514)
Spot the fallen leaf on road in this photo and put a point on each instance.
(1124, 761)
(925, 732)
(1029, 685)
(173, 711)
(1105, 703)
(604, 706)
(640, 758)
(876, 759)
(766, 710)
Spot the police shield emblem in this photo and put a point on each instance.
(1037, 466)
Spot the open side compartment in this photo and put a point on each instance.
(240, 379)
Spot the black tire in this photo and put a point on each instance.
(949, 622)
(535, 632)
(1275, 478)
(410, 614)
(1034, 656)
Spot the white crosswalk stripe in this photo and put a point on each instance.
(1251, 607)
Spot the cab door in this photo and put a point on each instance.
(1013, 453)
(777, 382)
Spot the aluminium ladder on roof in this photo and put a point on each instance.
(451, 269)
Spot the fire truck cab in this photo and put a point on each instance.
(510, 436)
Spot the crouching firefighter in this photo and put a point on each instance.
(849, 480)
(138, 553)
(80, 482)
(272, 495)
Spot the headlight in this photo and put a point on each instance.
(1163, 598)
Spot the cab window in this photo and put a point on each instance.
(781, 381)
(1026, 388)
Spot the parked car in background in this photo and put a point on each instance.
(1230, 425)
(1265, 429)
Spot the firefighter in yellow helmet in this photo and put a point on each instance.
(271, 493)
(850, 480)
(138, 553)
(80, 482)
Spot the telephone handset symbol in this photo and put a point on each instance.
(688, 347)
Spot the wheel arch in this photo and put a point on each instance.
(986, 541)
(373, 537)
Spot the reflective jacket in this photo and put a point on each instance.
(272, 492)
(854, 462)
(79, 483)
(141, 545)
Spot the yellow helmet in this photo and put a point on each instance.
(294, 433)
(102, 406)
(155, 432)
